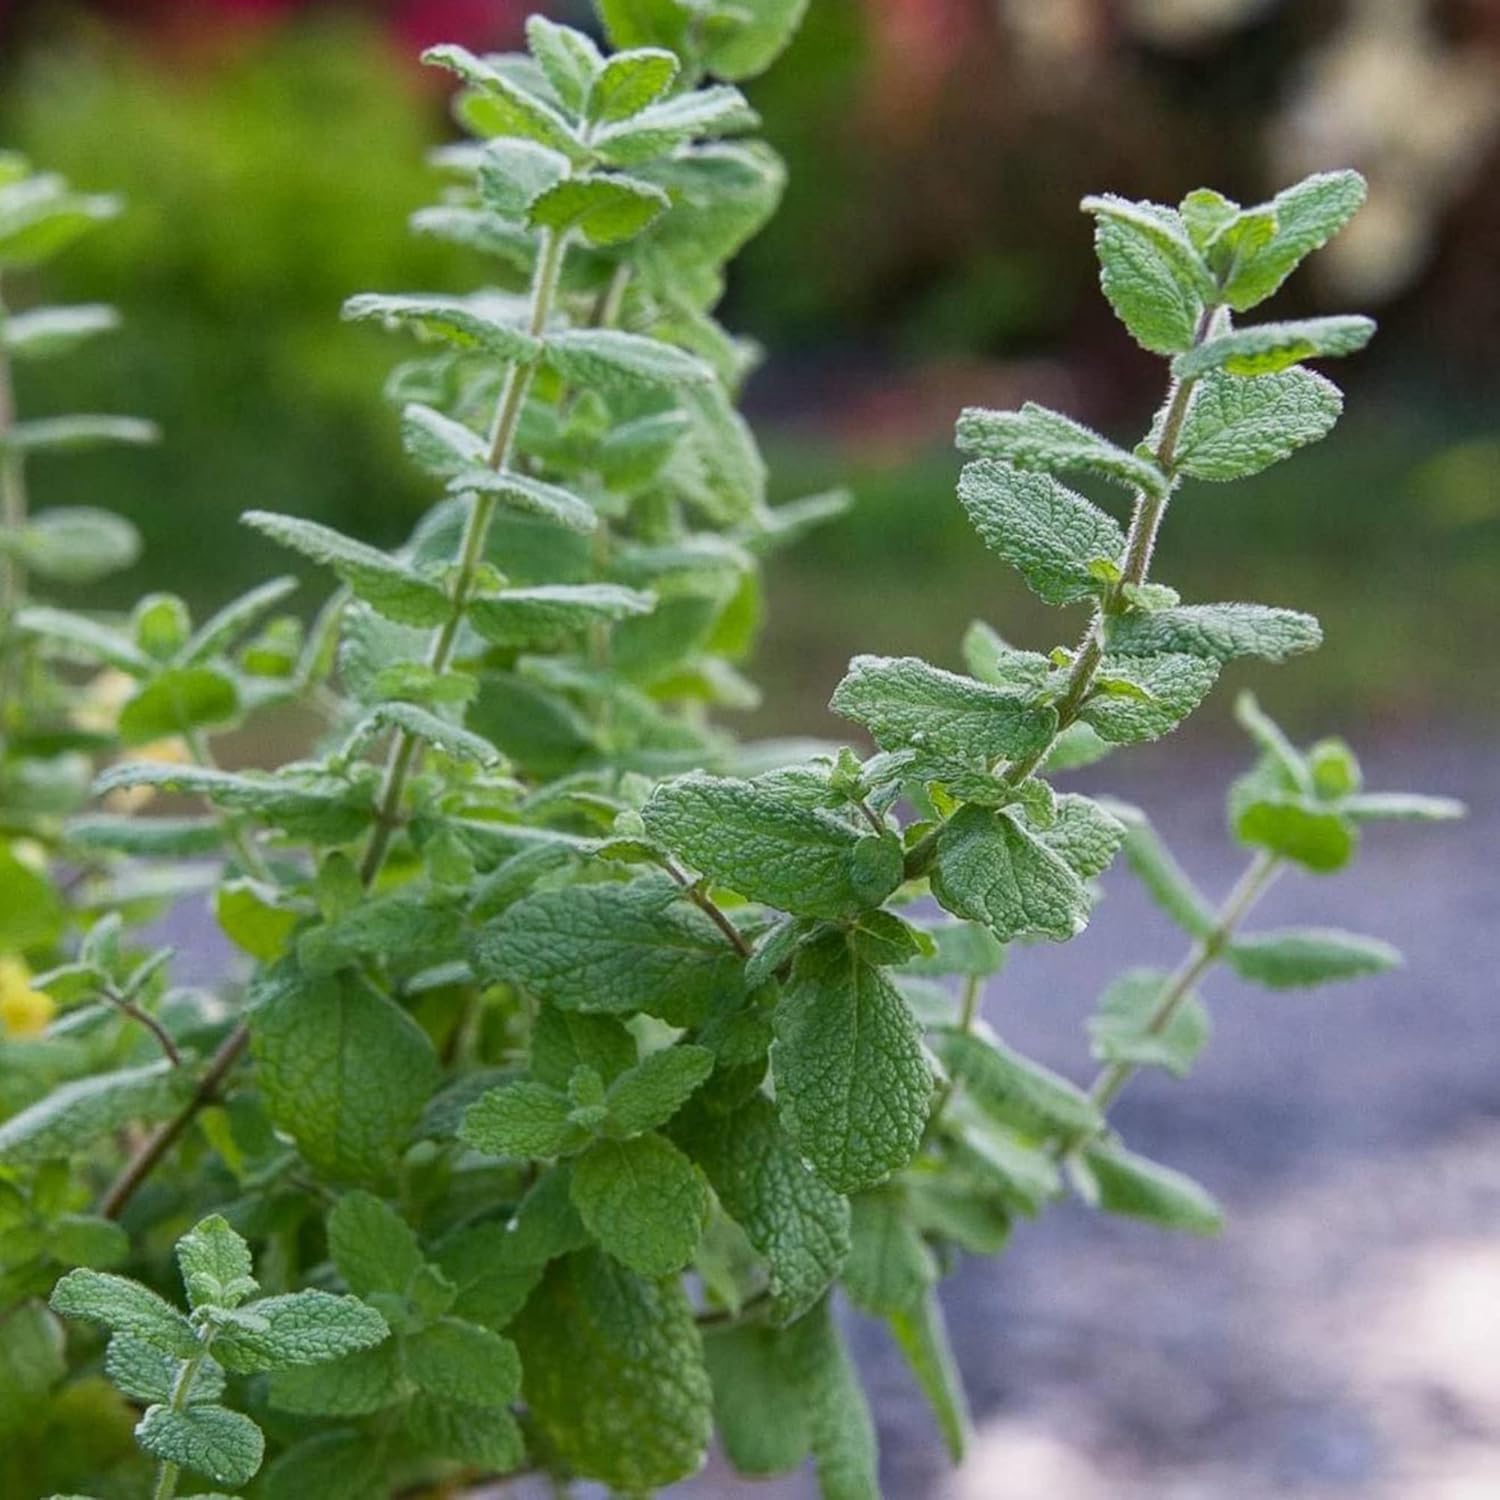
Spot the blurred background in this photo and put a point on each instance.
(930, 255)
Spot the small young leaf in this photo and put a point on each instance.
(669, 123)
(74, 544)
(1123, 1029)
(1048, 533)
(1320, 839)
(1265, 348)
(177, 701)
(629, 82)
(510, 109)
(605, 210)
(643, 1201)
(852, 1084)
(650, 1093)
(1161, 692)
(1153, 277)
(569, 58)
(1140, 1189)
(225, 626)
(215, 1264)
(213, 1441)
(1302, 956)
(522, 1120)
(95, 642)
(1216, 632)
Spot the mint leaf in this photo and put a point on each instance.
(921, 1333)
(178, 700)
(508, 108)
(759, 1409)
(1401, 807)
(339, 1465)
(618, 949)
(1217, 632)
(1141, 1189)
(42, 332)
(74, 544)
(1083, 834)
(569, 58)
(1122, 1030)
(488, 1438)
(80, 434)
(522, 1120)
(562, 1041)
(1013, 1089)
(604, 357)
(1292, 826)
(1045, 531)
(1302, 956)
(462, 1362)
(852, 1084)
(768, 849)
(1235, 428)
(355, 1385)
(1306, 217)
(300, 1328)
(1145, 697)
(1167, 883)
(373, 1247)
(650, 1093)
(215, 1264)
(605, 210)
(904, 701)
(220, 1444)
(74, 1115)
(644, 1202)
(992, 870)
(466, 323)
(343, 1070)
(548, 614)
(1153, 277)
(392, 588)
(839, 1421)
(439, 444)
(147, 1374)
(452, 739)
(890, 1267)
(124, 1306)
(613, 1374)
(535, 497)
(1036, 439)
(1266, 348)
(669, 123)
(791, 1217)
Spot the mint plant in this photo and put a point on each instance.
(582, 1057)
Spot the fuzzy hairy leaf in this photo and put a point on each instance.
(1235, 428)
(73, 544)
(534, 497)
(615, 949)
(613, 1373)
(452, 740)
(213, 1441)
(1123, 1029)
(354, 1385)
(1168, 884)
(124, 1307)
(78, 434)
(607, 358)
(1159, 692)
(462, 1362)
(669, 123)
(521, 1120)
(147, 1374)
(510, 108)
(1036, 439)
(1303, 956)
(299, 1328)
(387, 585)
(74, 1115)
(1084, 834)
(466, 324)
(1217, 632)
(651, 1092)
(1265, 348)
(852, 1084)
(906, 702)
(1049, 534)
(605, 210)
(1153, 277)
(992, 870)
(438, 443)
(487, 1438)
(215, 1264)
(772, 850)
(643, 1201)
(373, 1247)
(42, 332)
(343, 1070)
(1319, 838)
(549, 613)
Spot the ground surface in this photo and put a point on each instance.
(1343, 1338)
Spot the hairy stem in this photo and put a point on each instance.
(710, 908)
(970, 1010)
(471, 550)
(1201, 957)
(166, 1478)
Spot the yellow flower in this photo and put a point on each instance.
(24, 1011)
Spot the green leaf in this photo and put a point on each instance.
(991, 869)
(1153, 277)
(341, 1465)
(1013, 1089)
(1123, 1030)
(1145, 697)
(1290, 825)
(43, 332)
(644, 1202)
(921, 1333)
(465, 323)
(256, 918)
(616, 949)
(751, 37)
(759, 1410)
(510, 109)
(343, 1070)
(629, 82)
(354, 1385)
(549, 613)
(839, 1422)
(534, 497)
(662, 127)
(176, 701)
(439, 444)
(127, 834)
(1401, 807)
(126, 1307)
(487, 1438)
(213, 1441)
(1083, 834)
(1167, 883)
(1216, 632)
(1266, 348)
(1038, 440)
(78, 434)
(1049, 534)
(74, 1115)
(40, 215)
(147, 1374)
(1235, 428)
(609, 359)
(963, 948)
(1141, 1189)
(852, 1084)
(605, 210)
(904, 701)
(1302, 956)
(570, 59)
(225, 626)
(74, 544)
(462, 1362)
(387, 585)
(791, 1217)
(512, 172)
(650, 1093)
(890, 1267)
(770, 850)
(453, 740)
(1306, 217)
(373, 1247)
(562, 1041)
(522, 1120)
(300, 1328)
(613, 1374)
(87, 1240)
(93, 641)
(215, 1264)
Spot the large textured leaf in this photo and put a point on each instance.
(1035, 438)
(74, 1115)
(1217, 632)
(1235, 428)
(643, 1201)
(220, 1444)
(1265, 348)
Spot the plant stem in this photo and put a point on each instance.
(710, 908)
(166, 1479)
(1201, 957)
(1135, 563)
(145, 1018)
(471, 551)
(245, 850)
(970, 1010)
